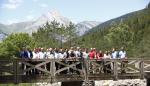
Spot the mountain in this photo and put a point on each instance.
(85, 26)
(3, 28)
(2, 36)
(108, 23)
(49, 17)
(130, 30)
(15, 27)
(19, 27)
(32, 26)
(149, 5)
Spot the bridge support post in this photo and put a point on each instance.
(53, 70)
(115, 66)
(16, 71)
(141, 69)
(85, 68)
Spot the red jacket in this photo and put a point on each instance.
(99, 56)
(92, 54)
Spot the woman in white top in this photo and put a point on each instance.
(50, 54)
(108, 66)
(107, 55)
(85, 54)
(61, 54)
(35, 54)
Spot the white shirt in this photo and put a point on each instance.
(35, 55)
(114, 54)
(41, 55)
(61, 55)
(85, 55)
(49, 55)
(107, 56)
(56, 55)
(29, 54)
(122, 54)
(65, 54)
(77, 53)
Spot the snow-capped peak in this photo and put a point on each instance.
(48, 17)
(54, 13)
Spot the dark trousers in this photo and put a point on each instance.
(107, 67)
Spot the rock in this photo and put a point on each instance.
(47, 84)
(126, 82)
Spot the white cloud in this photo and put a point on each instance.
(11, 21)
(44, 5)
(29, 17)
(12, 4)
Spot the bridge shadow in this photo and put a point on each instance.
(72, 83)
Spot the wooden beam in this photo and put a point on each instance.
(71, 66)
(37, 66)
(53, 70)
(16, 71)
(115, 68)
(142, 70)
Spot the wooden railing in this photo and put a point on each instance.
(54, 70)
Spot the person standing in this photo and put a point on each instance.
(92, 53)
(123, 56)
(24, 54)
(107, 63)
(85, 54)
(114, 54)
(122, 53)
(35, 56)
(100, 57)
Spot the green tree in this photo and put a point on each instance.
(53, 34)
(45, 36)
(71, 34)
(119, 35)
(11, 46)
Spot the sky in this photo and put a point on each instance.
(13, 11)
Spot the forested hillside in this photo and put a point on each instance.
(131, 31)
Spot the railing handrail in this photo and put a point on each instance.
(75, 59)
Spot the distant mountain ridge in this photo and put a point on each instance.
(49, 17)
(108, 23)
(85, 26)
(32, 26)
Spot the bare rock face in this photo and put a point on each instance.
(126, 82)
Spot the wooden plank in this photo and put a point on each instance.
(16, 71)
(37, 66)
(115, 70)
(141, 69)
(71, 66)
(53, 70)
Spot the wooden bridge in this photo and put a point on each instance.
(63, 70)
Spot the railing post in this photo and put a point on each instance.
(85, 67)
(16, 71)
(141, 69)
(53, 70)
(115, 66)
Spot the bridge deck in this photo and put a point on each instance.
(12, 71)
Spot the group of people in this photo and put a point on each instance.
(72, 53)
(93, 53)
